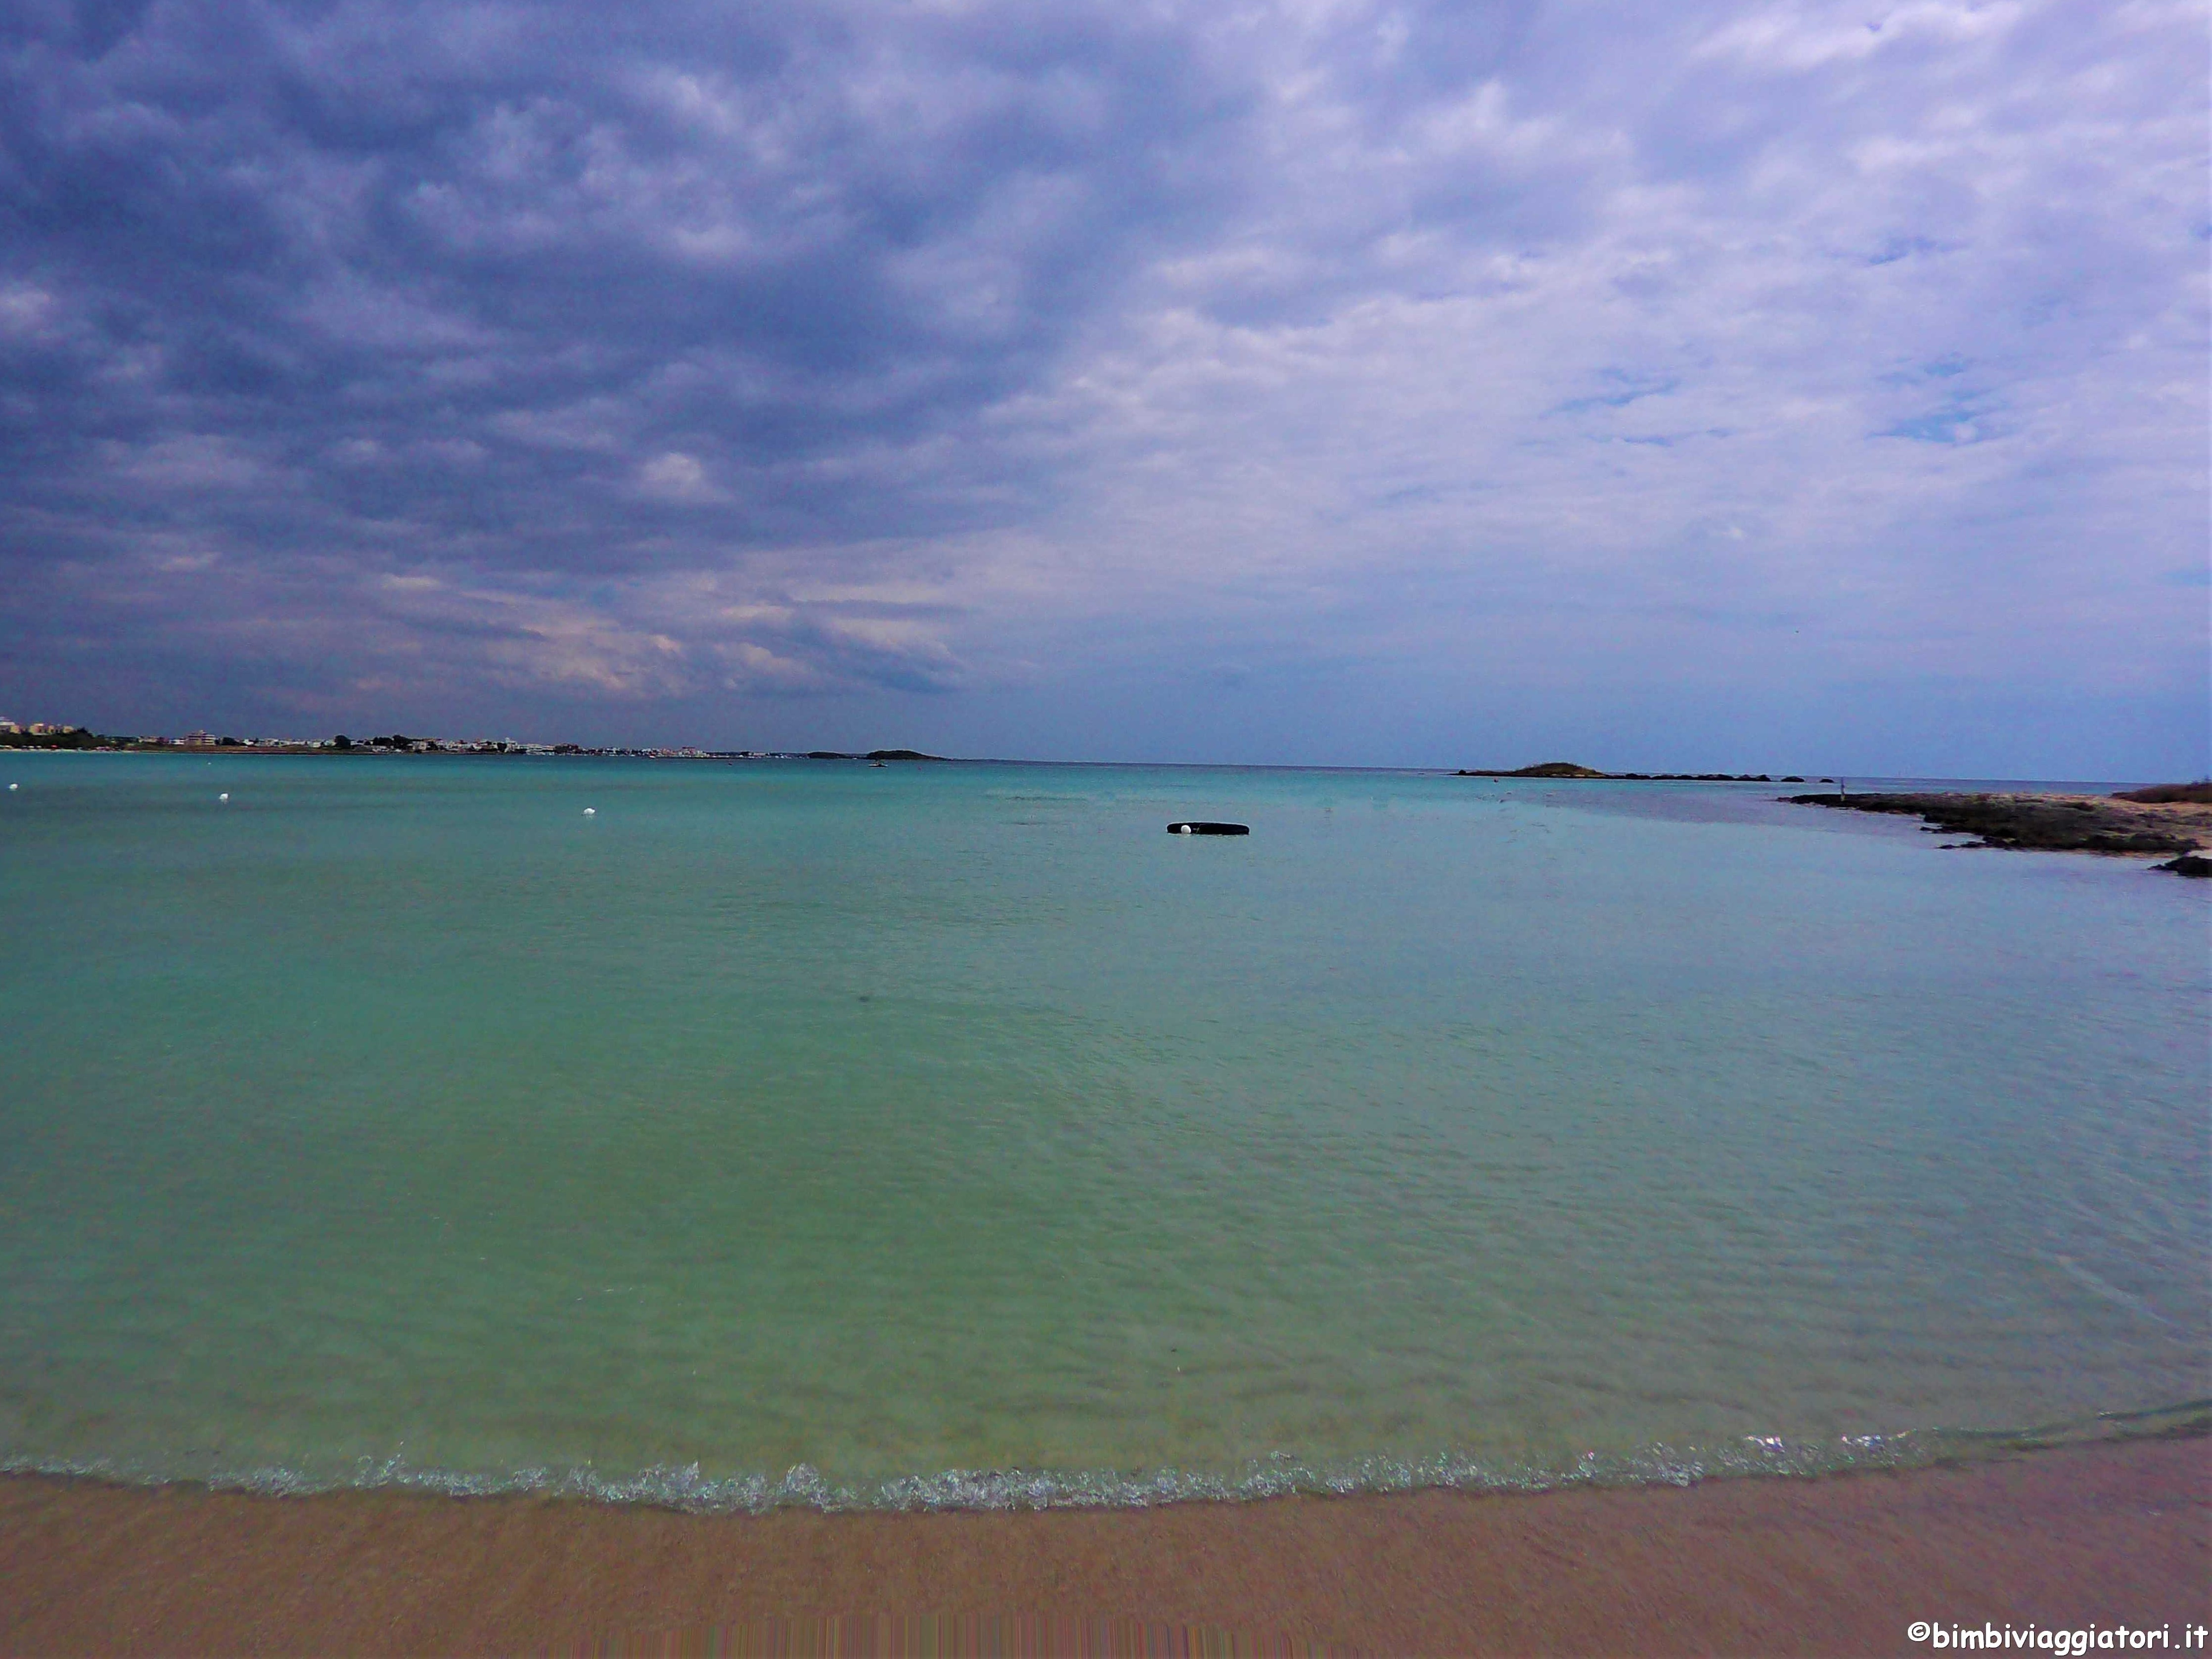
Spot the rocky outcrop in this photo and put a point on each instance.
(1547, 769)
(2167, 794)
(2053, 824)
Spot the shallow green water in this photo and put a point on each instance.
(806, 1131)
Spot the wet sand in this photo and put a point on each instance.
(2096, 1535)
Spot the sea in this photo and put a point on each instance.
(740, 1134)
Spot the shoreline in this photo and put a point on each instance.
(2103, 1535)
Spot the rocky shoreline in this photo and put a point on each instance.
(2052, 823)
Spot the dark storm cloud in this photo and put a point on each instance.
(473, 268)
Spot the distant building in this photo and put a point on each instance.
(199, 740)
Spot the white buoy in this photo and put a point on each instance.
(591, 811)
(224, 796)
(13, 787)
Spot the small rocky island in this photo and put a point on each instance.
(2174, 818)
(1570, 769)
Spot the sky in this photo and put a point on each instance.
(1801, 386)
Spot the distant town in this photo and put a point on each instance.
(44, 734)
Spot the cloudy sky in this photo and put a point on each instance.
(1651, 383)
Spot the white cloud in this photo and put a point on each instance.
(675, 477)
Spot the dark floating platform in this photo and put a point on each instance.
(1194, 827)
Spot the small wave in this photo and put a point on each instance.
(2099, 1286)
(688, 1488)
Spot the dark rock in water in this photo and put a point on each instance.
(2188, 864)
(1194, 828)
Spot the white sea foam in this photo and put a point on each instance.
(687, 1488)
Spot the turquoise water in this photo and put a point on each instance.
(816, 1132)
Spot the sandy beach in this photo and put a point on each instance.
(2095, 1536)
